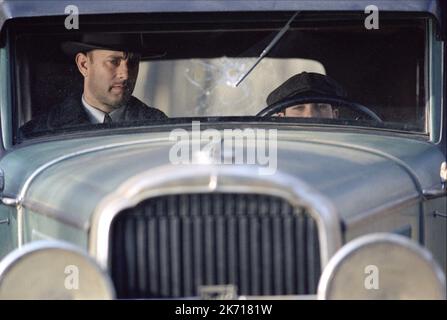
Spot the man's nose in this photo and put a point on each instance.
(313, 110)
(123, 71)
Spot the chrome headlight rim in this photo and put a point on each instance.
(16, 256)
(351, 248)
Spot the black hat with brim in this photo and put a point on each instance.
(110, 41)
(306, 84)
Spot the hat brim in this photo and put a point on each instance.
(72, 48)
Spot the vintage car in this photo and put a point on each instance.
(229, 196)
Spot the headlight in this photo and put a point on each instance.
(52, 270)
(382, 266)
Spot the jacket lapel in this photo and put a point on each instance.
(70, 113)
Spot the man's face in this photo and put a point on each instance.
(310, 110)
(109, 77)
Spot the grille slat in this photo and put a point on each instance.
(170, 245)
(129, 235)
(209, 250)
(152, 256)
(243, 265)
(197, 253)
(288, 255)
(232, 250)
(164, 256)
(254, 256)
(141, 253)
(220, 249)
(175, 251)
(277, 256)
(266, 257)
(300, 235)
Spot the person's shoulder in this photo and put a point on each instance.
(145, 111)
(34, 126)
(57, 116)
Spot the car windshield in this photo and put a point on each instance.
(323, 69)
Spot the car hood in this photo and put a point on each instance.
(357, 172)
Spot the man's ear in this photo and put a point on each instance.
(279, 114)
(81, 60)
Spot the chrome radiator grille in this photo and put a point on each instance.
(166, 247)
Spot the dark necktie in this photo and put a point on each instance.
(107, 118)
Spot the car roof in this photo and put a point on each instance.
(10, 9)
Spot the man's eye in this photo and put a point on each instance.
(115, 62)
(323, 106)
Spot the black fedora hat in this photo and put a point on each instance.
(110, 41)
(306, 84)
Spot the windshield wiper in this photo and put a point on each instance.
(268, 48)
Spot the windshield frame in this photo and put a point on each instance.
(433, 125)
(435, 69)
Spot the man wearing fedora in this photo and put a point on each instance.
(109, 65)
(307, 84)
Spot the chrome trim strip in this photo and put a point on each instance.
(20, 228)
(9, 201)
(435, 69)
(430, 88)
(383, 209)
(36, 235)
(196, 179)
(5, 99)
(43, 210)
(427, 81)
(436, 213)
(442, 126)
(434, 193)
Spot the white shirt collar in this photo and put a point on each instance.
(97, 116)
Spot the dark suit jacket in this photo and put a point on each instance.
(71, 113)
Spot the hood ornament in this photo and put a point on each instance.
(218, 292)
